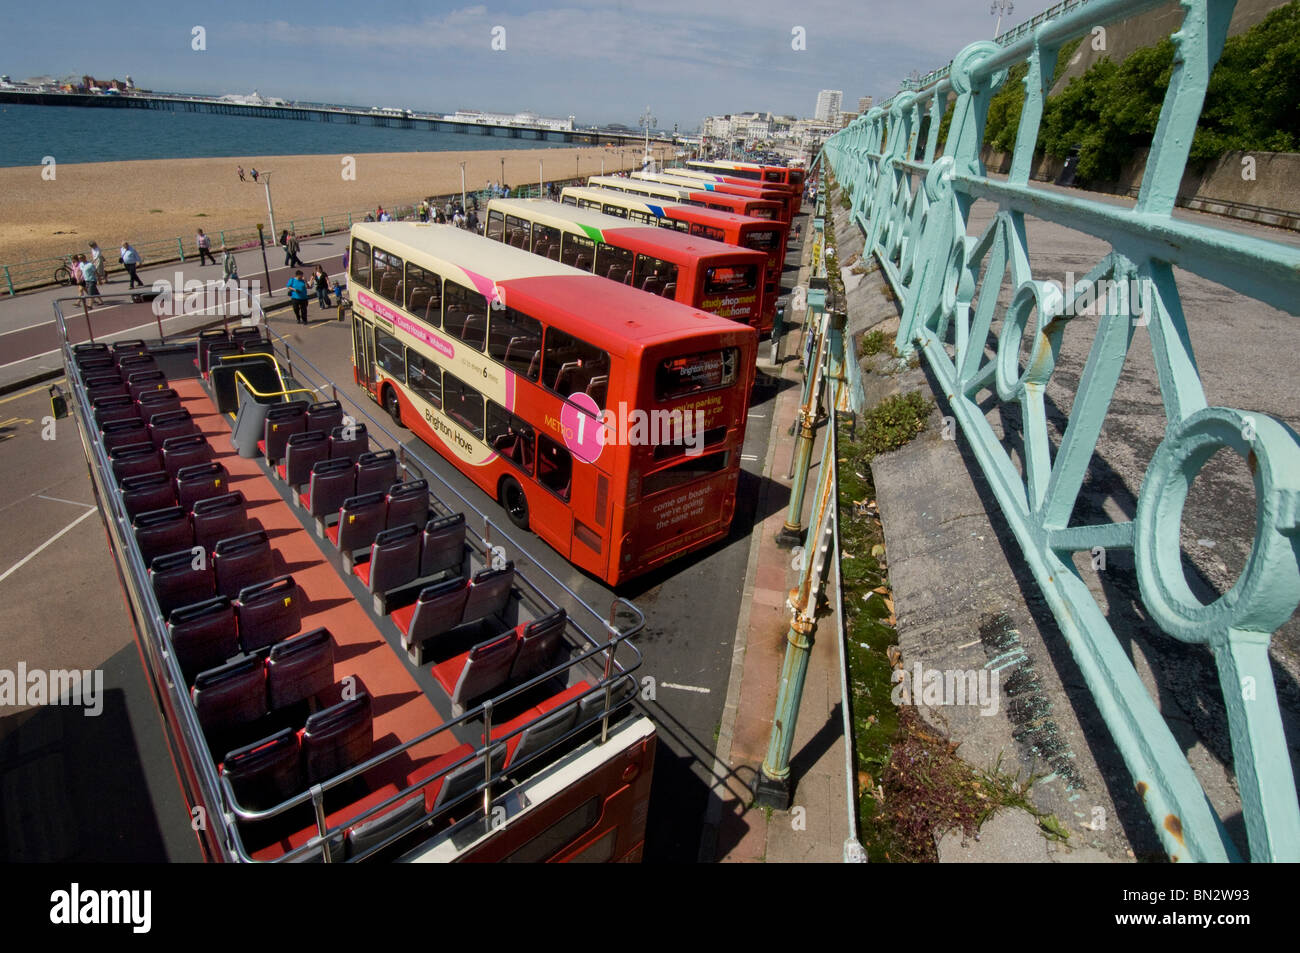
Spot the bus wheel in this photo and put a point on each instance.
(392, 406)
(514, 502)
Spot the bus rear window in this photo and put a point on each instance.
(761, 213)
(727, 279)
(772, 176)
(762, 241)
(692, 373)
(709, 232)
(361, 262)
(688, 470)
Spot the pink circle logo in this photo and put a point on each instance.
(583, 432)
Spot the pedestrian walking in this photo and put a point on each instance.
(131, 259)
(345, 259)
(253, 173)
(298, 295)
(241, 173)
(229, 268)
(322, 283)
(97, 259)
(205, 248)
(284, 244)
(291, 247)
(90, 279)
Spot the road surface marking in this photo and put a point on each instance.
(26, 393)
(759, 416)
(685, 688)
(37, 551)
(59, 499)
(748, 456)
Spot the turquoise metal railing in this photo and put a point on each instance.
(914, 207)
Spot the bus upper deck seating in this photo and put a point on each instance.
(201, 481)
(130, 459)
(324, 416)
(539, 643)
(146, 491)
(207, 338)
(185, 451)
(120, 433)
(337, 738)
(230, 695)
(242, 561)
(204, 635)
(176, 582)
(459, 782)
(173, 423)
(302, 452)
(442, 547)
(299, 668)
(480, 671)
(219, 517)
(137, 384)
(407, 503)
(331, 483)
(670, 290)
(216, 351)
(113, 407)
(123, 349)
(282, 422)
(268, 612)
(361, 519)
(162, 531)
(349, 441)
(454, 602)
(266, 772)
(152, 402)
(376, 470)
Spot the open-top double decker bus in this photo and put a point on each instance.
(689, 179)
(744, 231)
(607, 421)
(688, 195)
(348, 666)
(713, 276)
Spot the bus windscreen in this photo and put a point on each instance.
(730, 279)
(692, 373)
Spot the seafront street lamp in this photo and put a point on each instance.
(266, 269)
(1001, 8)
(540, 188)
(462, 185)
(266, 178)
(503, 170)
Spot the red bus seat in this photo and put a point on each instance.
(281, 423)
(478, 672)
(459, 782)
(203, 635)
(187, 451)
(153, 402)
(159, 532)
(113, 407)
(443, 545)
(207, 338)
(302, 452)
(337, 738)
(348, 441)
(218, 518)
(299, 668)
(539, 642)
(489, 592)
(128, 348)
(438, 609)
(146, 491)
(136, 364)
(121, 433)
(242, 561)
(201, 481)
(268, 612)
(266, 772)
(361, 519)
(331, 482)
(394, 563)
(216, 351)
(230, 695)
(407, 503)
(177, 583)
(376, 470)
(143, 381)
(324, 416)
(132, 459)
(173, 423)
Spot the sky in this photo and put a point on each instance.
(598, 60)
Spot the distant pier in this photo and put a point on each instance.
(324, 113)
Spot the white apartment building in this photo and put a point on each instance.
(828, 105)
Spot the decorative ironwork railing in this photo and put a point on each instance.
(914, 207)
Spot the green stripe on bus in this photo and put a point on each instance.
(595, 234)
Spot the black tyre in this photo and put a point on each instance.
(514, 502)
(392, 405)
(62, 275)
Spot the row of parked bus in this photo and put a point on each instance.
(586, 363)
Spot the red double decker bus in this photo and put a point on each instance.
(688, 195)
(695, 271)
(765, 235)
(752, 171)
(607, 421)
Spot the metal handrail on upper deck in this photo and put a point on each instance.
(162, 662)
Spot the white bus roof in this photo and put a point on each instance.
(464, 249)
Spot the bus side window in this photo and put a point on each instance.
(424, 295)
(518, 232)
(613, 263)
(466, 314)
(639, 216)
(654, 274)
(496, 226)
(424, 377)
(577, 251)
(510, 436)
(360, 271)
(387, 277)
(463, 404)
(568, 200)
(616, 210)
(554, 467)
(571, 365)
(546, 242)
(515, 340)
(390, 355)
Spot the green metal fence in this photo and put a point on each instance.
(913, 206)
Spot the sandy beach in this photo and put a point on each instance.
(145, 201)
